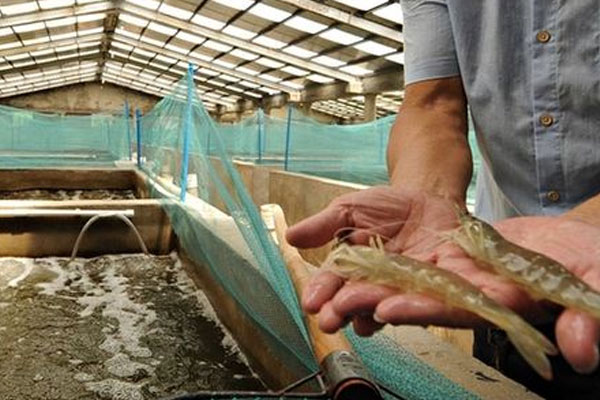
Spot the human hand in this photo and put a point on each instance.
(416, 220)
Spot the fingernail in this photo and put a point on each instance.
(378, 319)
(592, 366)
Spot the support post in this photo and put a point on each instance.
(288, 137)
(128, 128)
(138, 134)
(187, 127)
(370, 107)
(261, 132)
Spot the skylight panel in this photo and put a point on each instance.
(62, 36)
(144, 53)
(238, 32)
(254, 94)
(20, 8)
(122, 46)
(270, 78)
(138, 60)
(269, 91)
(5, 31)
(114, 53)
(130, 19)
(361, 4)
(42, 52)
(355, 70)
(320, 78)
(340, 36)
(15, 57)
(218, 46)
(267, 62)
(295, 71)
(235, 89)
(37, 40)
(209, 72)
(293, 85)
(374, 48)
(176, 49)
(91, 17)
(206, 22)
(9, 45)
(268, 12)
(237, 4)
(329, 61)
(398, 58)
(29, 27)
(268, 42)
(55, 23)
(175, 12)
(92, 31)
(247, 71)
(201, 56)
(166, 59)
(150, 4)
(191, 38)
(224, 64)
(299, 52)
(148, 39)
(305, 24)
(126, 33)
(393, 13)
(247, 84)
(165, 30)
(245, 55)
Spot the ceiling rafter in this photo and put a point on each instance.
(73, 11)
(239, 43)
(204, 64)
(347, 18)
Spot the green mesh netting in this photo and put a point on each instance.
(32, 139)
(351, 153)
(264, 291)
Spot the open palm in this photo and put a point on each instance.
(412, 224)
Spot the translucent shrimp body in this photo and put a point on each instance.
(374, 265)
(540, 276)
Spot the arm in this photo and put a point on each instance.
(428, 149)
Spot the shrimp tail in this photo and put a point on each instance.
(533, 346)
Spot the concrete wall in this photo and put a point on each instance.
(85, 98)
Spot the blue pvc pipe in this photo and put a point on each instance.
(187, 127)
(261, 130)
(138, 134)
(128, 127)
(287, 138)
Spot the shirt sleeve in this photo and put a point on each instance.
(428, 41)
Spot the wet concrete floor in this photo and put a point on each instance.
(113, 327)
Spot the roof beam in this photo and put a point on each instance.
(52, 44)
(347, 18)
(161, 71)
(72, 11)
(242, 44)
(204, 64)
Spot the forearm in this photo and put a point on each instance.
(588, 211)
(428, 148)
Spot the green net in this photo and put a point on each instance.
(32, 139)
(351, 153)
(179, 129)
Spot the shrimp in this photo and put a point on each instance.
(373, 264)
(540, 276)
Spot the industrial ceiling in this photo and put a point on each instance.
(248, 53)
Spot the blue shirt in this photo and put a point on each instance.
(531, 73)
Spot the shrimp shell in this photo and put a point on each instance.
(374, 265)
(540, 276)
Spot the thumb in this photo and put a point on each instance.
(319, 229)
(578, 335)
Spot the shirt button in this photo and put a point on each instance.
(546, 120)
(543, 36)
(553, 196)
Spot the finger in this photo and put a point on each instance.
(365, 325)
(360, 298)
(319, 229)
(413, 309)
(578, 335)
(329, 320)
(321, 289)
